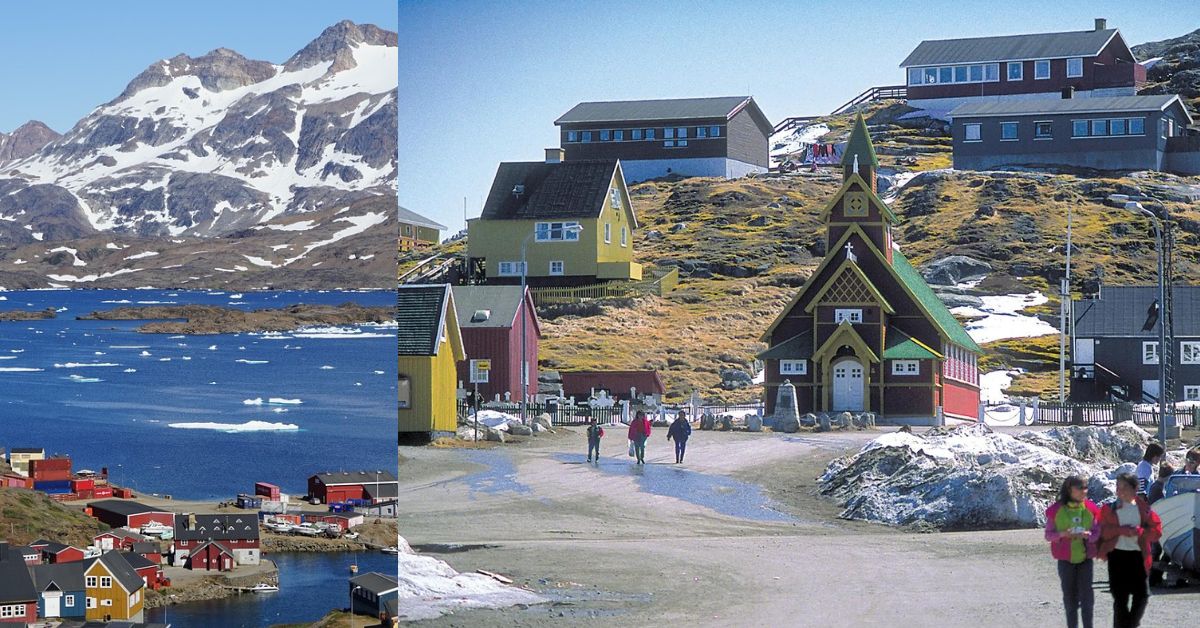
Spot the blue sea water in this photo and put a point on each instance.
(310, 585)
(107, 395)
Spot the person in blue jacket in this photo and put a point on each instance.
(679, 431)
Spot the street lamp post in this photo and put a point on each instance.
(576, 229)
(1162, 326)
(350, 619)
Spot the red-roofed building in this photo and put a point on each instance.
(620, 384)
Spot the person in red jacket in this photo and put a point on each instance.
(1127, 529)
(1073, 530)
(639, 431)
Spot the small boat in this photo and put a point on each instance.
(263, 587)
(1179, 510)
(391, 550)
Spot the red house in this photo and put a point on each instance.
(865, 333)
(118, 539)
(150, 551)
(581, 384)
(210, 556)
(53, 553)
(150, 572)
(236, 534)
(942, 74)
(329, 488)
(120, 513)
(18, 595)
(490, 319)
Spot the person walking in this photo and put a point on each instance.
(639, 431)
(1127, 529)
(680, 430)
(1073, 530)
(594, 434)
(1145, 468)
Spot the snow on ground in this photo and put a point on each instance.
(91, 278)
(430, 588)
(74, 253)
(971, 478)
(992, 385)
(359, 224)
(999, 318)
(143, 255)
(795, 140)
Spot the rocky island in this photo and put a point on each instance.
(214, 319)
(26, 315)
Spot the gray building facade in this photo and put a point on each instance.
(1113, 133)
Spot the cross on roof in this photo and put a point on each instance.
(850, 252)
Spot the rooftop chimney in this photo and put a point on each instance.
(1068, 92)
(555, 155)
(1101, 23)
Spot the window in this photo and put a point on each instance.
(714, 131)
(1191, 393)
(906, 367)
(1041, 69)
(971, 132)
(668, 143)
(636, 134)
(1014, 70)
(701, 131)
(991, 72)
(1137, 126)
(856, 204)
(572, 136)
(618, 135)
(106, 603)
(1079, 128)
(90, 582)
(914, 76)
(1116, 126)
(607, 233)
(624, 236)
(793, 367)
(1043, 130)
(931, 75)
(1099, 127)
(556, 267)
(669, 133)
(69, 600)
(945, 75)
(556, 231)
(681, 142)
(510, 269)
(587, 136)
(479, 376)
(12, 610)
(604, 135)
(1075, 67)
(614, 198)
(1189, 352)
(681, 132)
(105, 582)
(960, 74)
(1008, 131)
(649, 134)
(1149, 353)
(976, 73)
(405, 393)
(854, 316)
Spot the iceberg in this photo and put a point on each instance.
(233, 428)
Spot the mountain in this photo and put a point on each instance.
(218, 148)
(1175, 68)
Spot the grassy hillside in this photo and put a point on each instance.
(26, 516)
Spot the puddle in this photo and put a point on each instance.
(716, 492)
(499, 476)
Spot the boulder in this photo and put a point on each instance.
(787, 425)
(542, 421)
(492, 434)
(727, 423)
(954, 269)
(517, 429)
(678, 227)
(809, 419)
(823, 422)
(754, 423)
(845, 419)
(708, 422)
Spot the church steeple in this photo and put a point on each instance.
(859, 156)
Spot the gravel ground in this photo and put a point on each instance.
(735, 536)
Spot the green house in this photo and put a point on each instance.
(574, 217)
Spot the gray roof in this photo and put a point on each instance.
(500, 303)
(16, 585)
(798, 347)
(569, 189)
(66, 576)
(383, 491)
(1050, 106)
(420, 310)
(376, 582)
(1009, 48)
(1126, 311)
(240, 527)
(123, 507)
(413, 218)
(356, 477)
(137, 561)
(651, 110)
(119, 568)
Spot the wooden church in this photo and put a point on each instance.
(865, 333)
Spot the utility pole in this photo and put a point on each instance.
(1064, 307)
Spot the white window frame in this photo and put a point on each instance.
(916, 76)
(106, 603)
(614, 198)
(91, 582)
(714, 131)
(13, 610)
(1050, 136)
(1075, 61)
(1129, 126)
(1037, 66)
(608, 233)
(1075, 128)
(1150, 353)
(568, 231)
(508, 269)
(854, 315)
(1191, 347)
(90, 602)
(681, 133)
(69, 599)
(404, 386)
(561, 266)
(1191, 393)
(906, 367)
(1017, 126)
(1008, 73)
(978, 128)
(105, 582)
(624, 236)
(477, 376)
(793, 367)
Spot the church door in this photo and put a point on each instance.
(847, 386)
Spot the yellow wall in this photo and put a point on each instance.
(433, 381)
(120, 609)
(20, 461)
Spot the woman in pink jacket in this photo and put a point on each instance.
(639, 431)
(1073, 530)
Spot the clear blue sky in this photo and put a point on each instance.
(62, 58)
(482, 82)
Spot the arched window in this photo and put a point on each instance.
(405, 386)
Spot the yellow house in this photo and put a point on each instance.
(417, 230)
(430, 349)
(574, 217)
(113, 589)
(19, 458)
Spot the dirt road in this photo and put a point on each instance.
(734, 537)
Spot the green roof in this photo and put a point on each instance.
(798, 347)
(901, 346)
(941, 316)
(860, 144)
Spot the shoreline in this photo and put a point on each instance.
(200, 320)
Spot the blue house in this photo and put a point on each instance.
(60, 590)
(372, 592)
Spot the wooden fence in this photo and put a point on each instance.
(560, 414)
(613, 290)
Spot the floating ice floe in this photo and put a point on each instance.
(430, 588)
(129, 371)
(280, 401)
(244, 361)
(337, 333)
(326, 367)
(248, 426)
(19, 369)
(212, 347)
(84, 380)
(144, 354)
(81, 365)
